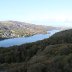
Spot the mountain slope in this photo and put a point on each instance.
(49, 55)
(60, 37)
(18, 29)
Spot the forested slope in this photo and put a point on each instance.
(50, 55)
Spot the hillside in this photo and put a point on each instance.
(50, 55)
(10, 29)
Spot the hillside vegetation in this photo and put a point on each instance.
(10, 29)
(50, 55)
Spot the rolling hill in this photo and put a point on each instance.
(9, 29)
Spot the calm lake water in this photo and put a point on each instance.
(23, 40)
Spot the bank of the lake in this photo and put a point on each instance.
(23, 40)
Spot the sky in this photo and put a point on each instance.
(44, 12)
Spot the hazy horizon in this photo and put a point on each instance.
(40, 12)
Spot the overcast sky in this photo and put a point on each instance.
(47, 12)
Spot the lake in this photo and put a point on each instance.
(23, 40)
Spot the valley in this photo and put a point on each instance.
(35, 35)
(24, 40)
(53, 54)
